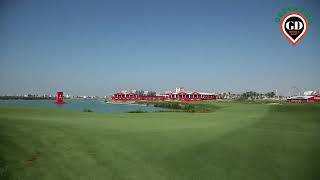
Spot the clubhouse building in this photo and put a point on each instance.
(179, 95)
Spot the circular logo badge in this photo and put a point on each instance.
(294, 26)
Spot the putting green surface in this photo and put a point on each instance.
(236, 141)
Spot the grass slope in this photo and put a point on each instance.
(237, 141)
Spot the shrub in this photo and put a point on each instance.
(87, 110)
(137, 111)
(183, 106)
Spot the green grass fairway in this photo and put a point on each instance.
(235, 142)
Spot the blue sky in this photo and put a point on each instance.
(98, 47)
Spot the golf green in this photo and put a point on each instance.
(235, 141)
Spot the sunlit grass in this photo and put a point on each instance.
(235, 141)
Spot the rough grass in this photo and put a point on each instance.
(238, 141)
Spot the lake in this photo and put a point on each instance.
(81, 104)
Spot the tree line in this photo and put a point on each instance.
(254, 95)
(142, 93)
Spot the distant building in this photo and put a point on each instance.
(310, 93)
(179, 95)
(303, 99)
(179, 89)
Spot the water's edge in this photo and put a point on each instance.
(83, 104)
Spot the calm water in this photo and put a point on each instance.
(81, 104)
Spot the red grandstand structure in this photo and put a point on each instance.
(179, 95)
(304, 99)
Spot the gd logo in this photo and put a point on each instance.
(294, 26)
(294, 23)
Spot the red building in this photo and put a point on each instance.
(303, 99)
(190, 96)
(179, 95)
(59, 98)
